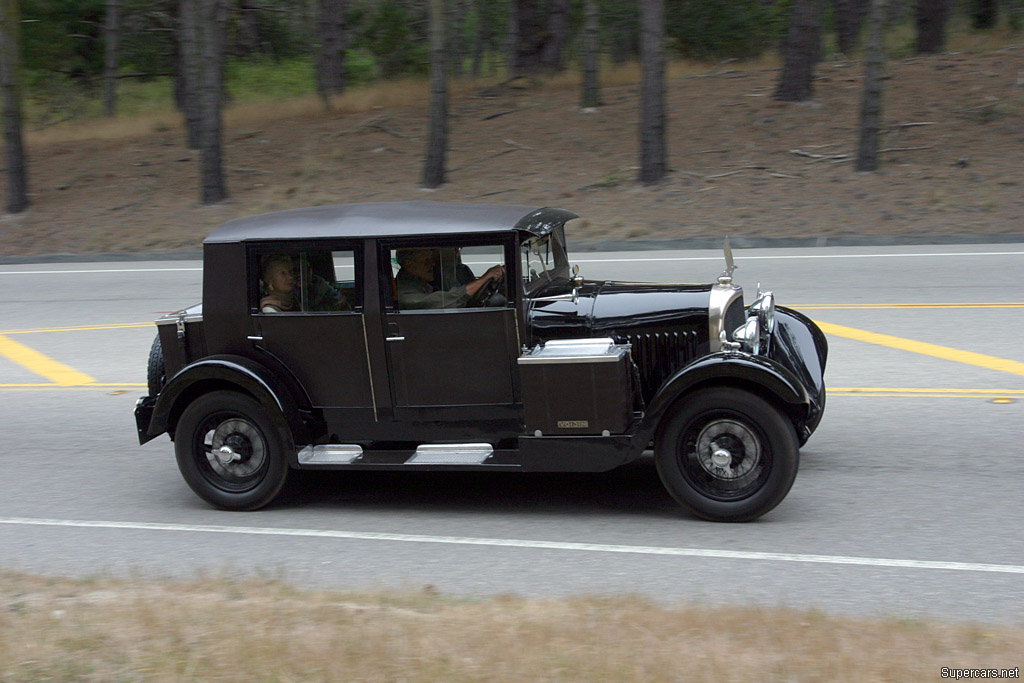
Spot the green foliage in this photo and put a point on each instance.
(272, 80)
(390, 38)
(63, 36)
(710, 29)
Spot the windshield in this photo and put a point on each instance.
(544, 260)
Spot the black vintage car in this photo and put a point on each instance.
(429, 335)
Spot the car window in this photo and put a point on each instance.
(307, 281)
(543, 260)
(426, 276)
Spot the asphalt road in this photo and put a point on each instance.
(908, 501)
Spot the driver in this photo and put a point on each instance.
(413, 282)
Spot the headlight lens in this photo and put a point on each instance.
(756, 333)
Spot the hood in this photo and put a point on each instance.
(617, 309)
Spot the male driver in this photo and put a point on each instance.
(413, 282)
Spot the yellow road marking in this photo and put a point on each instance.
(854, 307)
(924, 348)
(904, 390)
(47, 385)
(55, 371)
(79, 328)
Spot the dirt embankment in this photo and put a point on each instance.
(742, 163)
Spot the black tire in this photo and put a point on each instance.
(155, 376)
(756, 449)
(238, 422)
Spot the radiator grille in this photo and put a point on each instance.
(658, 354)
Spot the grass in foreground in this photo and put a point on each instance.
(117, 630)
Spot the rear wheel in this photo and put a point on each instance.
(727, 455)
(230, 451)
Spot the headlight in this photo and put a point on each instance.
(756, 333)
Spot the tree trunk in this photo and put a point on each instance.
(556, 36)
(590, 96)
(437, 136)
(110, 36)
(652, 91)
(512, 40)
(871, 101)
(248, 28)
(456, 17)
(530, 38)
(802, 49)
(849, 18)
(480, 37)
(10, 83)
(931, 17)
(204, 25)
(330, 64)
(984, 13)
(188, 75)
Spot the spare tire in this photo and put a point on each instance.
(155, 377)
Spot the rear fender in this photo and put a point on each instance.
(231, 373)
(761, 375)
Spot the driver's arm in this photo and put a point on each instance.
(493, 273)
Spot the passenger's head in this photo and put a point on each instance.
(418, 262)
(277, 273)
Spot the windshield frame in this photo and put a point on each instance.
(549, 265)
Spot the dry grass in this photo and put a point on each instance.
(116, 630)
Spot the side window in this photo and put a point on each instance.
(307, 281)
(426, 276)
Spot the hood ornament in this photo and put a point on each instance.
(726, 277)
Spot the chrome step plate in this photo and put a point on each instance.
(451, 454)
(330, 454)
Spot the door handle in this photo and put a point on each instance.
(391, 339)
(254, 338)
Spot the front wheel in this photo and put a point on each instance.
(727, 455)
(230, 451)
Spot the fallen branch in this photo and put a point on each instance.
(519, 145)
(491, 194)
(905, 149)
(738, 170)
(239, 169)
(500, 113)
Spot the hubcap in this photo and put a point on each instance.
(235, 449)
(727, 449)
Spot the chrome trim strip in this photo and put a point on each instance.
(369, 369)
(330, 454)
(451, 454)
(555, 360)
(172, 319)
(721, 297)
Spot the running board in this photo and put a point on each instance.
(330, 454)
(451, 454)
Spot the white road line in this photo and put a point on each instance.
(521, 543)
(739, 257)
(98, 270)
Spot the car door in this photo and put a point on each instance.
(318, 333)
(449, 357)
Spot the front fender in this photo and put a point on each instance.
(225, 372)
(758, 373)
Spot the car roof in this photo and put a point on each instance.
(390, 219)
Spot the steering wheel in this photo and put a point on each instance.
(484, 294)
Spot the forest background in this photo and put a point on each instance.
(333, 101)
